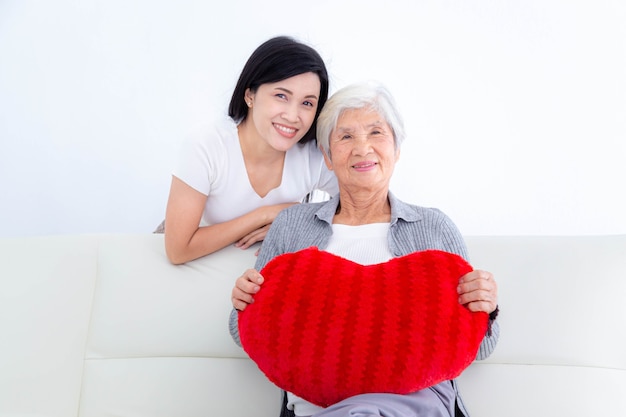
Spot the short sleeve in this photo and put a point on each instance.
(202, 157)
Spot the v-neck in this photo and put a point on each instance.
(242, 163)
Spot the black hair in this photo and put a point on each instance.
(274, 60)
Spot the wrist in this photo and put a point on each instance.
(494, 313)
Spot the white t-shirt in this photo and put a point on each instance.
(211, 162)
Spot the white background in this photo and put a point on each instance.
(515, 110)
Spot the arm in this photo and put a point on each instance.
(185, 240)
(478, 290)
(242, 295)
(250, 282)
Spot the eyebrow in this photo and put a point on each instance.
(286, 90)
(377, 123)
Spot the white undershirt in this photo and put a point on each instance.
(366, 245)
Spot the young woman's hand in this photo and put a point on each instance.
(185, 240)
(269, 213)
(251, 238)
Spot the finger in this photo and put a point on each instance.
(249, 283)
(247, 242)
(244, 296)
(475, 275)
(483, 306)
(476, 296)
(245, 239)
(239, 304)
(252, 237)
(477, 280)
(253, 276)
(243, 293)
(477, 285)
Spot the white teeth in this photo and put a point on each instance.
(285, 129)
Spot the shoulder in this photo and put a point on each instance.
(294, 228)
(297, 219)
(217, 133)
(429, 226)
(430, 217)
(299, 212)
(206, 152)
(414, 213)
(308, 152)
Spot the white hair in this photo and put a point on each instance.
(372, 95)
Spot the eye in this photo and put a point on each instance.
(281, 95)
(379, 133)
(344, 136)
(309, 103)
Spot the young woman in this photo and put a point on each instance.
(234, 176)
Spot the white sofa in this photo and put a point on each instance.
(104, 325)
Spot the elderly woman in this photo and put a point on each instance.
(360, 133)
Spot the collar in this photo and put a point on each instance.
(399, 210)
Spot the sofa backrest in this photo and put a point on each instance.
(562, 347)
(104, 325)
(46, 291)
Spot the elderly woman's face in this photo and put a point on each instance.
(362, 150)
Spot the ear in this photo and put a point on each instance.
(327, 160)
(397, 154)
(248, 96)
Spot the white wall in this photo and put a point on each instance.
(516, 110)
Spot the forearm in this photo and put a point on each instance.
(233, 326)
(490, 341)
(184, 246)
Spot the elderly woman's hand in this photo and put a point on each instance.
(478, 291)
(245, 287)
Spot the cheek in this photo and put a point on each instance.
(307, 118)
(258, 118)
(340, 156)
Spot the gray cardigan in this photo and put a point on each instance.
(412, 229)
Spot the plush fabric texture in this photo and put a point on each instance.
(326, 328)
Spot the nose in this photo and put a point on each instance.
(290, 112)
(361, 145)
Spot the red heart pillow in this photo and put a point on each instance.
(326, 328)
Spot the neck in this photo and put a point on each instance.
(363, 208)
(254, 148)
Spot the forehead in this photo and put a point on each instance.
(359, 119)
(306, 84)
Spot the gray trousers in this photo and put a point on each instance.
(436, 401)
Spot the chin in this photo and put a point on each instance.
(285, 144)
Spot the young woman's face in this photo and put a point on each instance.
(282, 112)
(363, 152)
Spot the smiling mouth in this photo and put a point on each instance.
(364, 165)
(285, 129)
